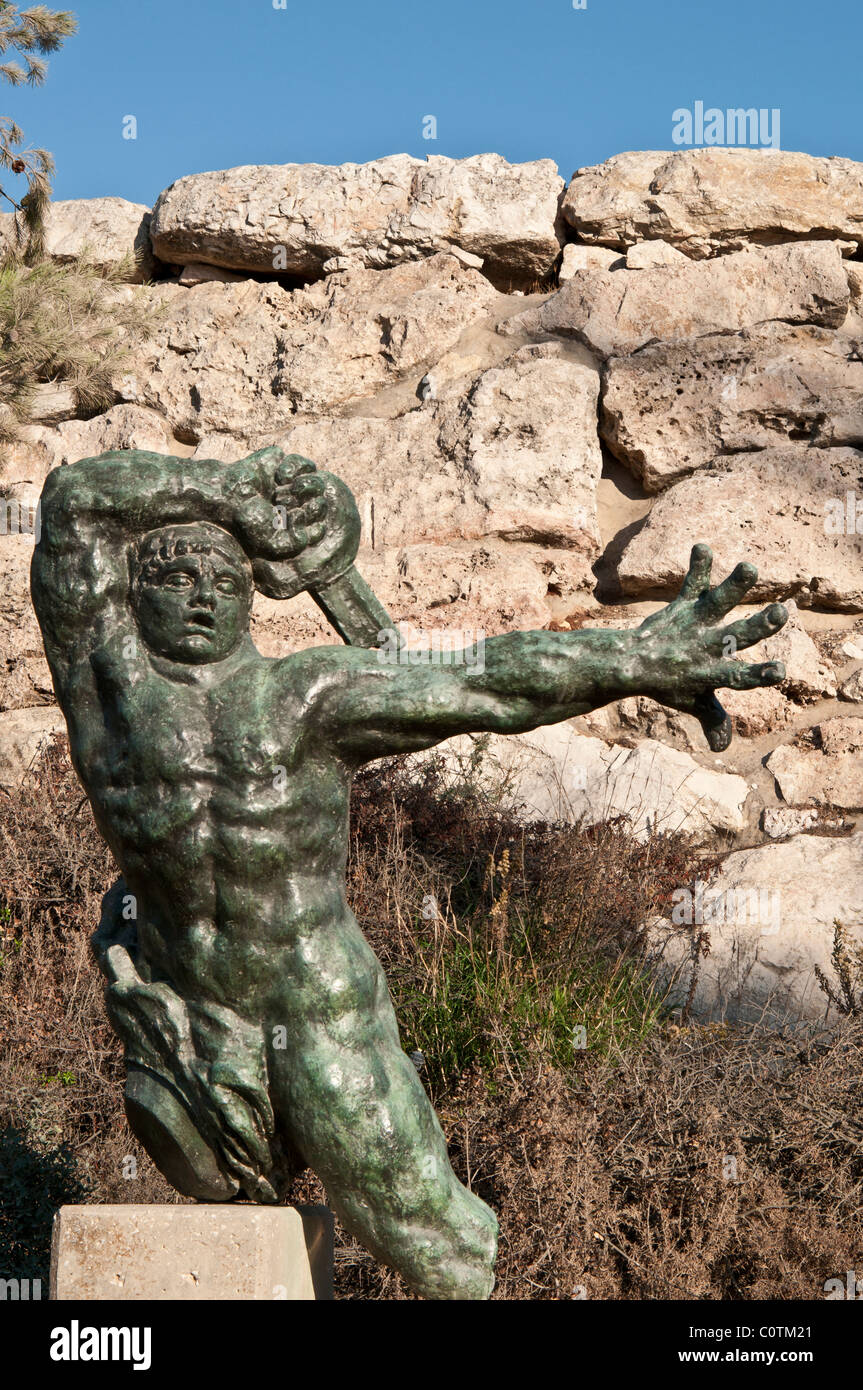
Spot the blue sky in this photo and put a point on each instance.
(216, 83)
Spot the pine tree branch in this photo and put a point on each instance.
(31, 31)
(46, 29)
(13, 73)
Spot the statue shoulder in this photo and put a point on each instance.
(306, 679)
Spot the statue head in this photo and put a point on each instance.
(192, 592)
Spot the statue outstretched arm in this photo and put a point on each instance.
(679, 656)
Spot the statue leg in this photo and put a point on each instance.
(357, 1111)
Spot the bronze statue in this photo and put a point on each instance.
(259, 1032)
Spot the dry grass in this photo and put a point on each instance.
(503, 941)
(711, 1164)
(612, 1167)
(60, 1064)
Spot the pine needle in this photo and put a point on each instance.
(71, 324)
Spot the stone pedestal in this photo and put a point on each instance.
(220, 1251)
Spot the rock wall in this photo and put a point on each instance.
(541, 394)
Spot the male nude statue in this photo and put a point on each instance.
(259, 1032)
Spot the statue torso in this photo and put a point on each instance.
(228, 818)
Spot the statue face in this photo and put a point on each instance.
(193, 608)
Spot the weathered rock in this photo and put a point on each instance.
(556, 774)
(779, 903)
(710, 200)
(240, 358)
(525, 434)
(24, 676)
(455, 589)
(282, 218)
(121, 427)
(757, 712)
(619, 312)
(25, 465)
(109, 229)
(827, 770)
(485, 587)
(512, 457)
(293, 218)
(23, 732)
(52, 401)
(27, 462)
(197, 273)
(646, 255)
(640, 717)
(673, 407)
(222, 1251)
(466, 257)
(841, 736)
(779, 822)
(769, 507)
(852, 688)
(855, 283)
(576, 258)
(506, 213)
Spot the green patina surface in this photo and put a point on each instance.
(259, 1032)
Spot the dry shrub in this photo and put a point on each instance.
(609, 1167)
(70, 325)
(710, 1164)
(504, 941)
(621, 1184)
(61, 1070)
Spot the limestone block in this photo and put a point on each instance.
(200, 1252)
